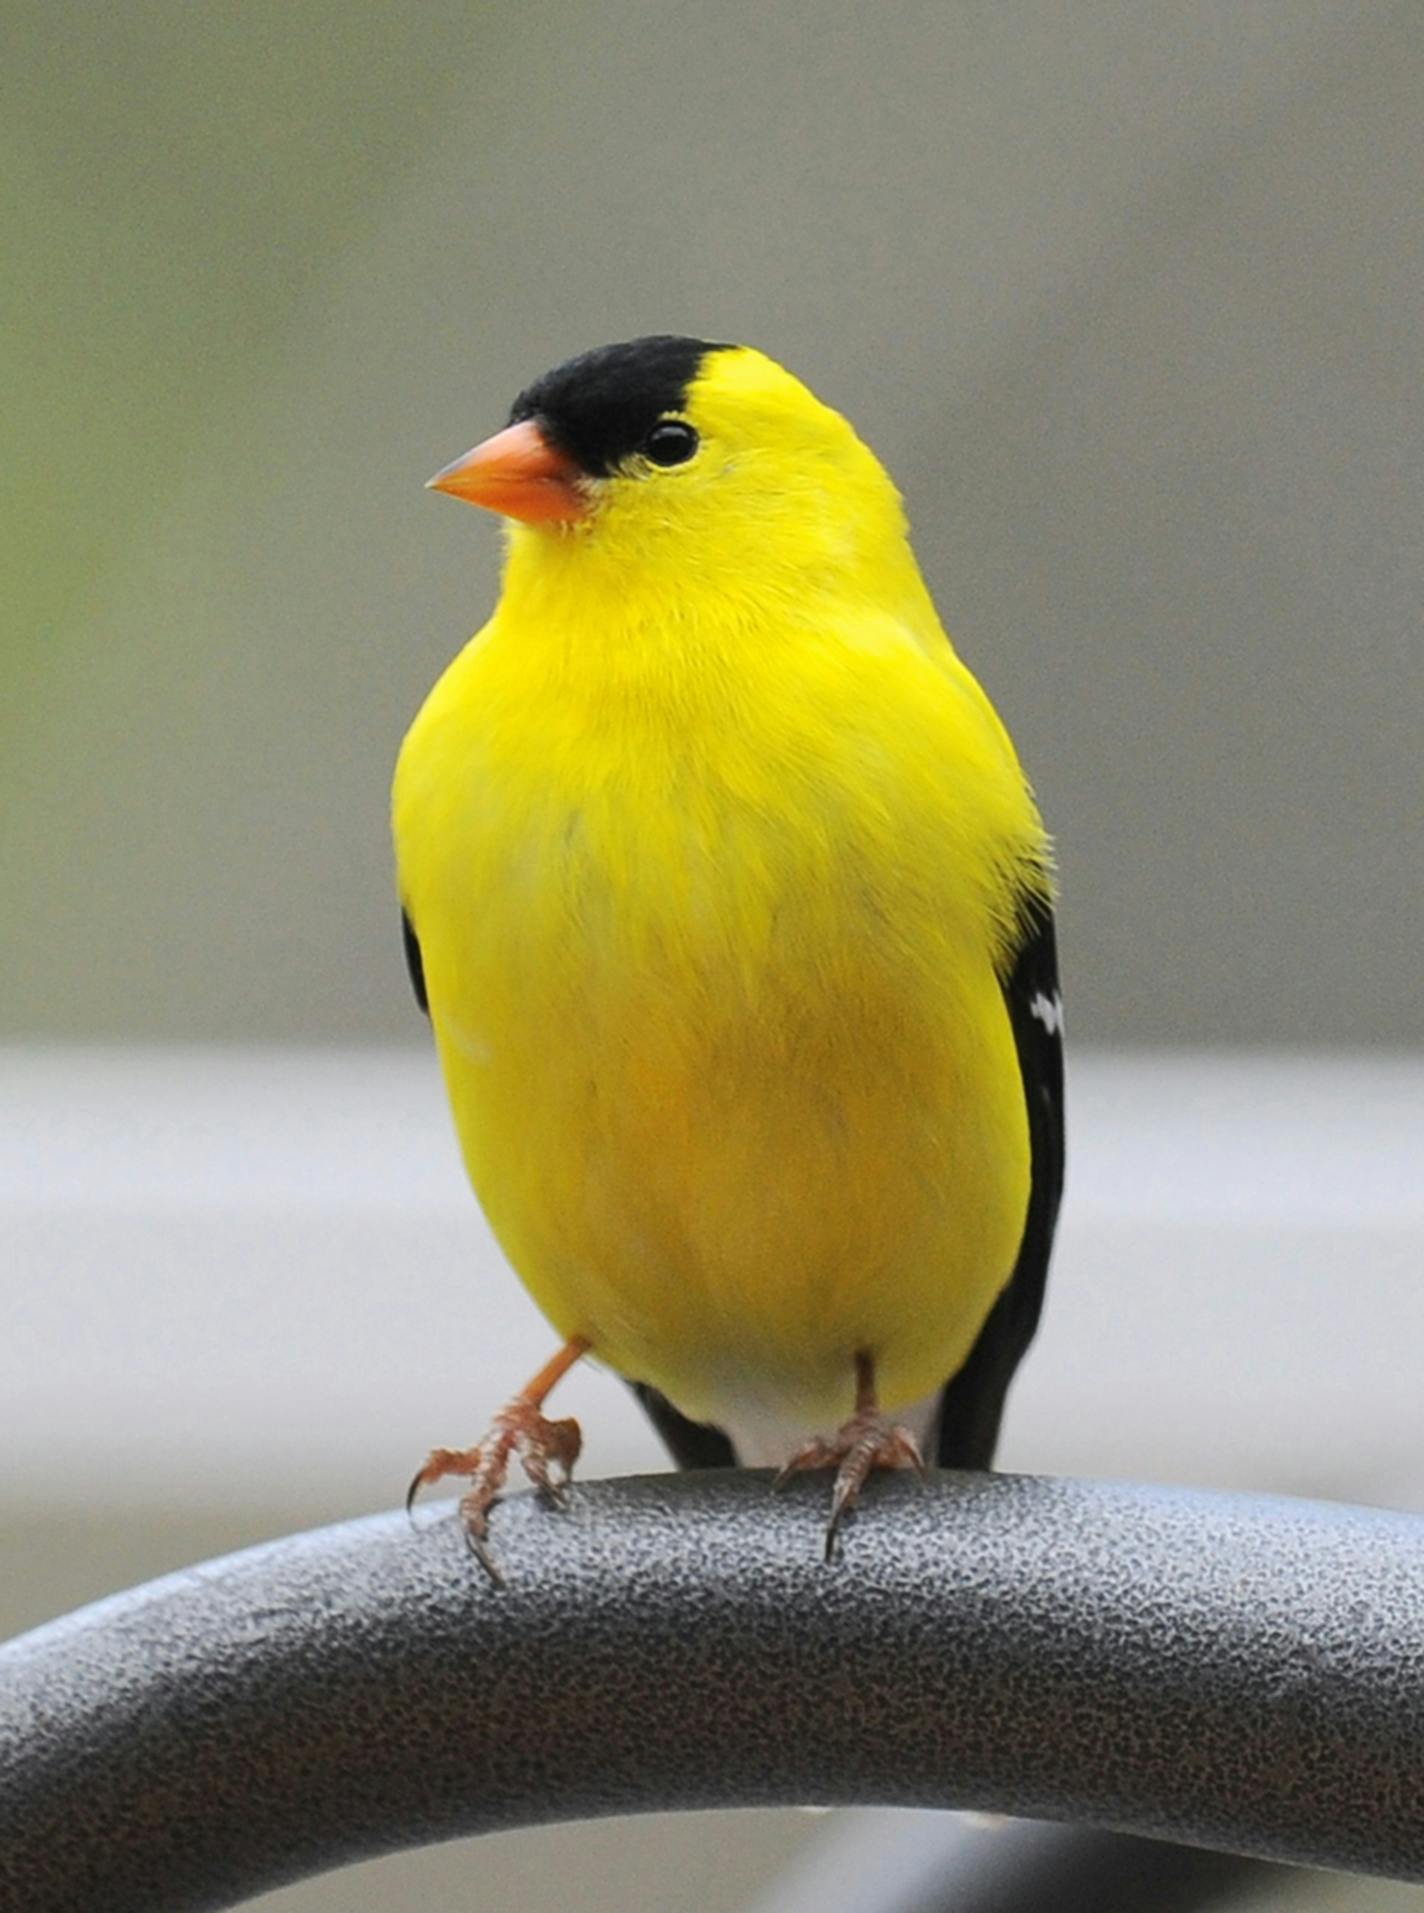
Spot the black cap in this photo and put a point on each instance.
(600, 406)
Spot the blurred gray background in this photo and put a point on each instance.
(1127, 295)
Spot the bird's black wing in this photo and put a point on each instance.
(414, 962)
(973, 1401)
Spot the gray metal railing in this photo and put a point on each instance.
(1237, 1673)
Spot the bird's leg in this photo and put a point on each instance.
(867, 1440)
(518, 1429)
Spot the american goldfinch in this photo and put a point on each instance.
(731, 909)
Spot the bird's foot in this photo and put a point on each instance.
(518, 1429)
(868, 1440)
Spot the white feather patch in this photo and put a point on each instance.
(1049, 1012)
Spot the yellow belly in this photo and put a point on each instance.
(729, 1061)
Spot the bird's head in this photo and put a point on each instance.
(669, 463)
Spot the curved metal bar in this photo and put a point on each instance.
(1237, 1673)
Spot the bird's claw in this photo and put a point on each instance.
(439, 1463)
(518, 1429)
(869, 1440)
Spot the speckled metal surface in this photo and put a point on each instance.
(1232, 1672)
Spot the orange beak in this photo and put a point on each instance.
(520, 474)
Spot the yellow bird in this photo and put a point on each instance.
(730, 905)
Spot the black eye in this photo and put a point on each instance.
(670, 443)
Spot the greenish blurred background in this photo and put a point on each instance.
(1125, 293)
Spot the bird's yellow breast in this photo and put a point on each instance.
(710, 919)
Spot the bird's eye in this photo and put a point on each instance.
(670, 443)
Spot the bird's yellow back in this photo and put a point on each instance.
(715, 851)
